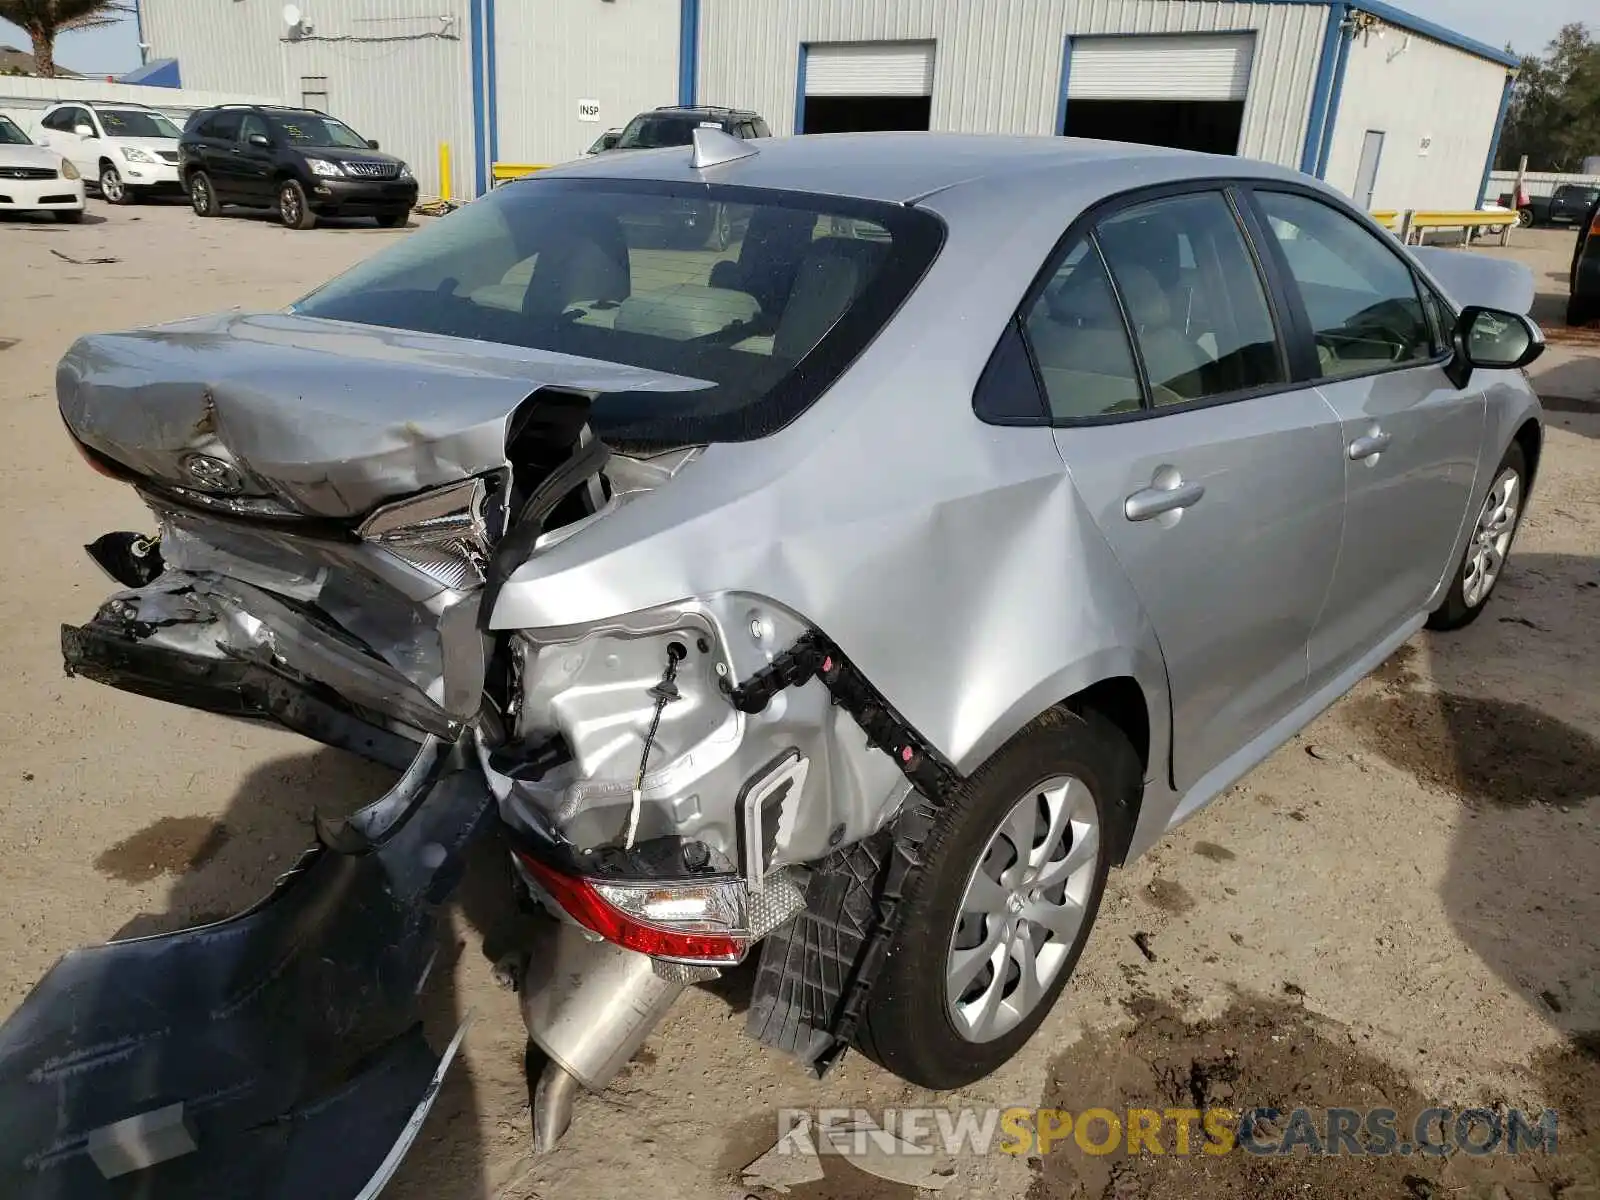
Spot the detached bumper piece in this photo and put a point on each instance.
(276, 1055)
(112, 655)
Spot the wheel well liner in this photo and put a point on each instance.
(1121, 701)
(1531, 439)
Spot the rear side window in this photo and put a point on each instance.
(761, 296)
(1194, 298)
(1080, 342)
(1362, 300)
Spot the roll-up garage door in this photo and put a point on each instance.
(1182, 67)
(870, 69)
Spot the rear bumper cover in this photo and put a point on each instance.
(289, 1034)
(231, 688)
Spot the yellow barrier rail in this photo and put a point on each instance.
(505, 172)
(1412, 224)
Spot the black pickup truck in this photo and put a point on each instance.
(1567, 205)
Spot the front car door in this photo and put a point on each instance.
(1411, 438)
(1217, 481)
(255, 162)
(83, 153)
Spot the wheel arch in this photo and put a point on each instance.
(1120, 701)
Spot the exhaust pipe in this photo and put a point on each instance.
(589, 1005)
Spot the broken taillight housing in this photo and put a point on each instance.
(702, 921)
(444, 533)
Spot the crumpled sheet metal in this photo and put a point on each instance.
(289, 1033)
(333, 418)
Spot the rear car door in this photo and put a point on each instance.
(219, 154)
(1410, 438)
(1216, 480)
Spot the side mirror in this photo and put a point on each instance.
(1493, 339)
(372, 143)
(83, 131)
(261, 140)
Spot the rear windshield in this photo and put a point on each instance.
(124, 122)
(735, 286)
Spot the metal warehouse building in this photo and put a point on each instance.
(1394, 110)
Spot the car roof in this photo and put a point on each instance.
(904, 168)
(134, 104)
(702, 110)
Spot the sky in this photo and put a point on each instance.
(1528, 26)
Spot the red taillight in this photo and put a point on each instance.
(584, 904)
(1594, 226)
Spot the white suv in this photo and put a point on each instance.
(127, 150)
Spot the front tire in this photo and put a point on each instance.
(112, 189)
(1488, 546)
(1525, 218)
(1581, 310)
(202, 196)
(69, 216)
(993, 926)
(392, 220)
(293, 210)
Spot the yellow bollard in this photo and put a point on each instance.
(444, 171)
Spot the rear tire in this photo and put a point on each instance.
(1483, 562)
(293, 210)
(1525, 218)
(971, 909)
(202, 196)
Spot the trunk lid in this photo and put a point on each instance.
(328, 419)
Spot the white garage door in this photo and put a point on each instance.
(1191, 67)
(870, 69)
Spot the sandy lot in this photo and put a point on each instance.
(1399, 909)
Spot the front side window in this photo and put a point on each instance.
(11, 135)
(631, 272)
(312, 129)
(1362, 299)
(1079, 341)
(254, 124)
(654, 130)
(1194, 298)
(126, 122)
(224, 126)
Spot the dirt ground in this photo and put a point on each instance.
(1400, 908)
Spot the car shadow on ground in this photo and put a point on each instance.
(222, 866)
(37, 220)
(1520, 887)
(348, 224)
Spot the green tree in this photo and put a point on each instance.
(43, 20)
(1554, 116)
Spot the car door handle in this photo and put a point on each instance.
(1155, 500)
(1365, 447)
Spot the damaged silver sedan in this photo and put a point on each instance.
(852, 597)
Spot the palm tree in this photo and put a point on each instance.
(42, 20)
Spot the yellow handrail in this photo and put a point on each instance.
(1388, 218)
(504, 172)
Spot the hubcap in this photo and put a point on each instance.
(1022, 909)
(290, 204)
(111, 186)
(201, 194)
(1491, 540)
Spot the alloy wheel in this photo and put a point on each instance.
(1491, 538)
(289, 205)
(1022, 909)
(111, 186)
(200, 194)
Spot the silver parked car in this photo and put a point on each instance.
(852, 598)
